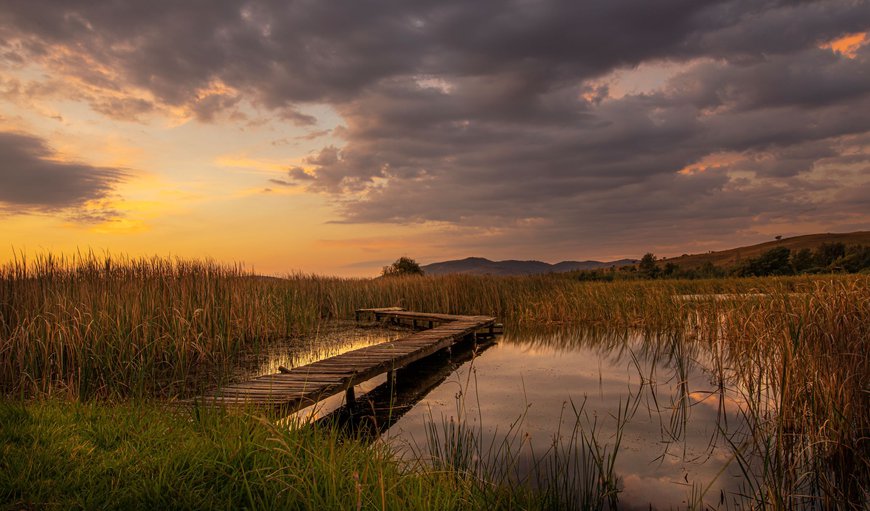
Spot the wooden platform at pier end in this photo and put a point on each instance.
(306, 385)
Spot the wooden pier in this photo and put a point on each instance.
(300, 387)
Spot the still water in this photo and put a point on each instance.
(647, 407)
(647, 393)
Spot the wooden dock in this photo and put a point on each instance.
(300, 387)
(381, 407)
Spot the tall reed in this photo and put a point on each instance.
(89, 325)
(802, 367)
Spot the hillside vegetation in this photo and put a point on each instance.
(827, 257)
(735, 256)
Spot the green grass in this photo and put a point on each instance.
(137, 455)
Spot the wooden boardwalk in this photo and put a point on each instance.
(297, 388)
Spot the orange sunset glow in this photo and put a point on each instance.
(264, 136)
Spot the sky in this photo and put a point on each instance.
(333, 137)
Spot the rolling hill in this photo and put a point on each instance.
(733, 256)
(722, 258)
(482, 266)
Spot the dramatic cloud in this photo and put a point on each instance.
(31, 179)
(511, 114)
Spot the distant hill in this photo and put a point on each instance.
(722, 258)
(481, 266)
(731, 257)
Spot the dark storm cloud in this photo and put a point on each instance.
(287, 52)
(807, 78)
(507, 113)
(30, 179)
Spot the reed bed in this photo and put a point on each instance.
(796, 350)
(90, 325)
(802, 367)
(792, 363)
(96, 327)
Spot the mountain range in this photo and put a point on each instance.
(723, 258)
(482, 266)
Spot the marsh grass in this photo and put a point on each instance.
(791, 370)
(575, 471)
(802, 367)
(90, 326)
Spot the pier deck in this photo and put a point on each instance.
(299, 387)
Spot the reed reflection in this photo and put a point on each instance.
(377, 410)
(604, 415)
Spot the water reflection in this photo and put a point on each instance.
(378, 409)
(649, 404)
(330, 340)
(590, 417)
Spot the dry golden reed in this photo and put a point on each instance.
(90, 325)
(802, 365)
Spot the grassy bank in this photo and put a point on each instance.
(59, 455)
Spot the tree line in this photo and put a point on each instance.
(829, 257)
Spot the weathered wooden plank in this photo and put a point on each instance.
(275, 389)
(302, 386)
(296, 376)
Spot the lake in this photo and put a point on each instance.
(558, 409)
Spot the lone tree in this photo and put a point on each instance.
(648, 266)
(403, 266)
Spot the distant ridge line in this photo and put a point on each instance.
(723, 258)
(483, 266)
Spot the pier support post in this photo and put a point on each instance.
(349, 396)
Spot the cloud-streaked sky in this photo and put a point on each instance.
(332, 137)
